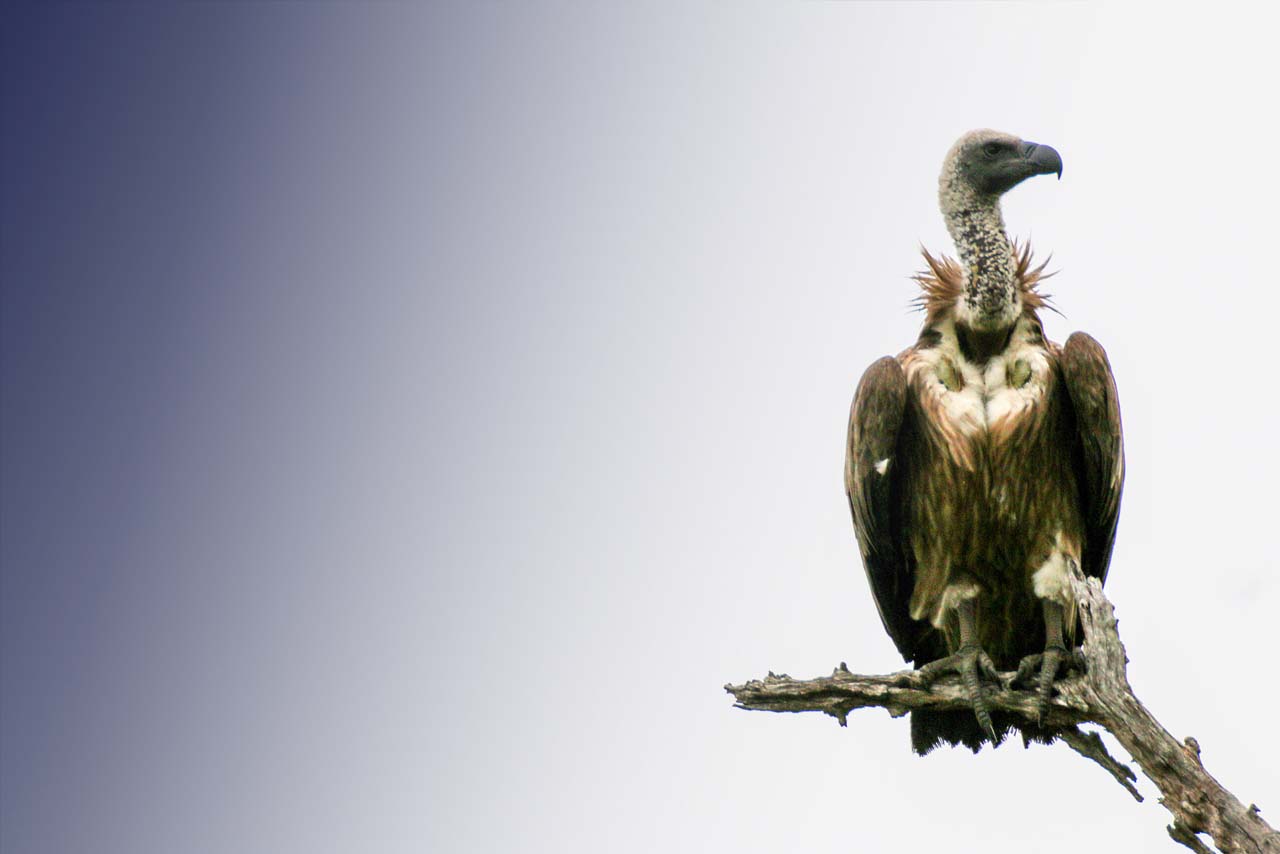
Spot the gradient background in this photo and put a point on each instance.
(412, 416)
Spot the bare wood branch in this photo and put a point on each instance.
(842, 692)
(1090, 746)
(1198, 802)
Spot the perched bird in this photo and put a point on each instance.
(984, 460)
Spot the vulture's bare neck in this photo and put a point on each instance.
(991, 300)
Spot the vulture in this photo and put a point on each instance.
(984, 462)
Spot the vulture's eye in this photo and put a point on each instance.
(991, 149)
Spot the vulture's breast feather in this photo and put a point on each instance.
(966, 400)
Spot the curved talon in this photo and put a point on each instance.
(972, 664)
(977, 693)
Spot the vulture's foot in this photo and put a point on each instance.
(1045, 667)
(973, 665)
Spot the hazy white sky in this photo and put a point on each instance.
(527, 350)
(717, 210)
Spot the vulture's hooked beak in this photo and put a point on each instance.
(1042, 159)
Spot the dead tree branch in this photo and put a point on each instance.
(1102, 696)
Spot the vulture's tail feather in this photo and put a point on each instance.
(930, 729)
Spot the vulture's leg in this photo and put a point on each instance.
(1056, 657)
(972, 663)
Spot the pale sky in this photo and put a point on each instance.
(415, 415)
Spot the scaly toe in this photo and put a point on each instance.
(989, 667)
(1027, 668)
(1054, 657)
(974, 668)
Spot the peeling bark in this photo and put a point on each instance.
(1102, 696)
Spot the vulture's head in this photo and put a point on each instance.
(983, 165)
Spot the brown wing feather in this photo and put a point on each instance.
(1092, 389)
(874, 424)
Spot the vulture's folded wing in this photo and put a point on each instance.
(871, 479)
(1092, 389)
